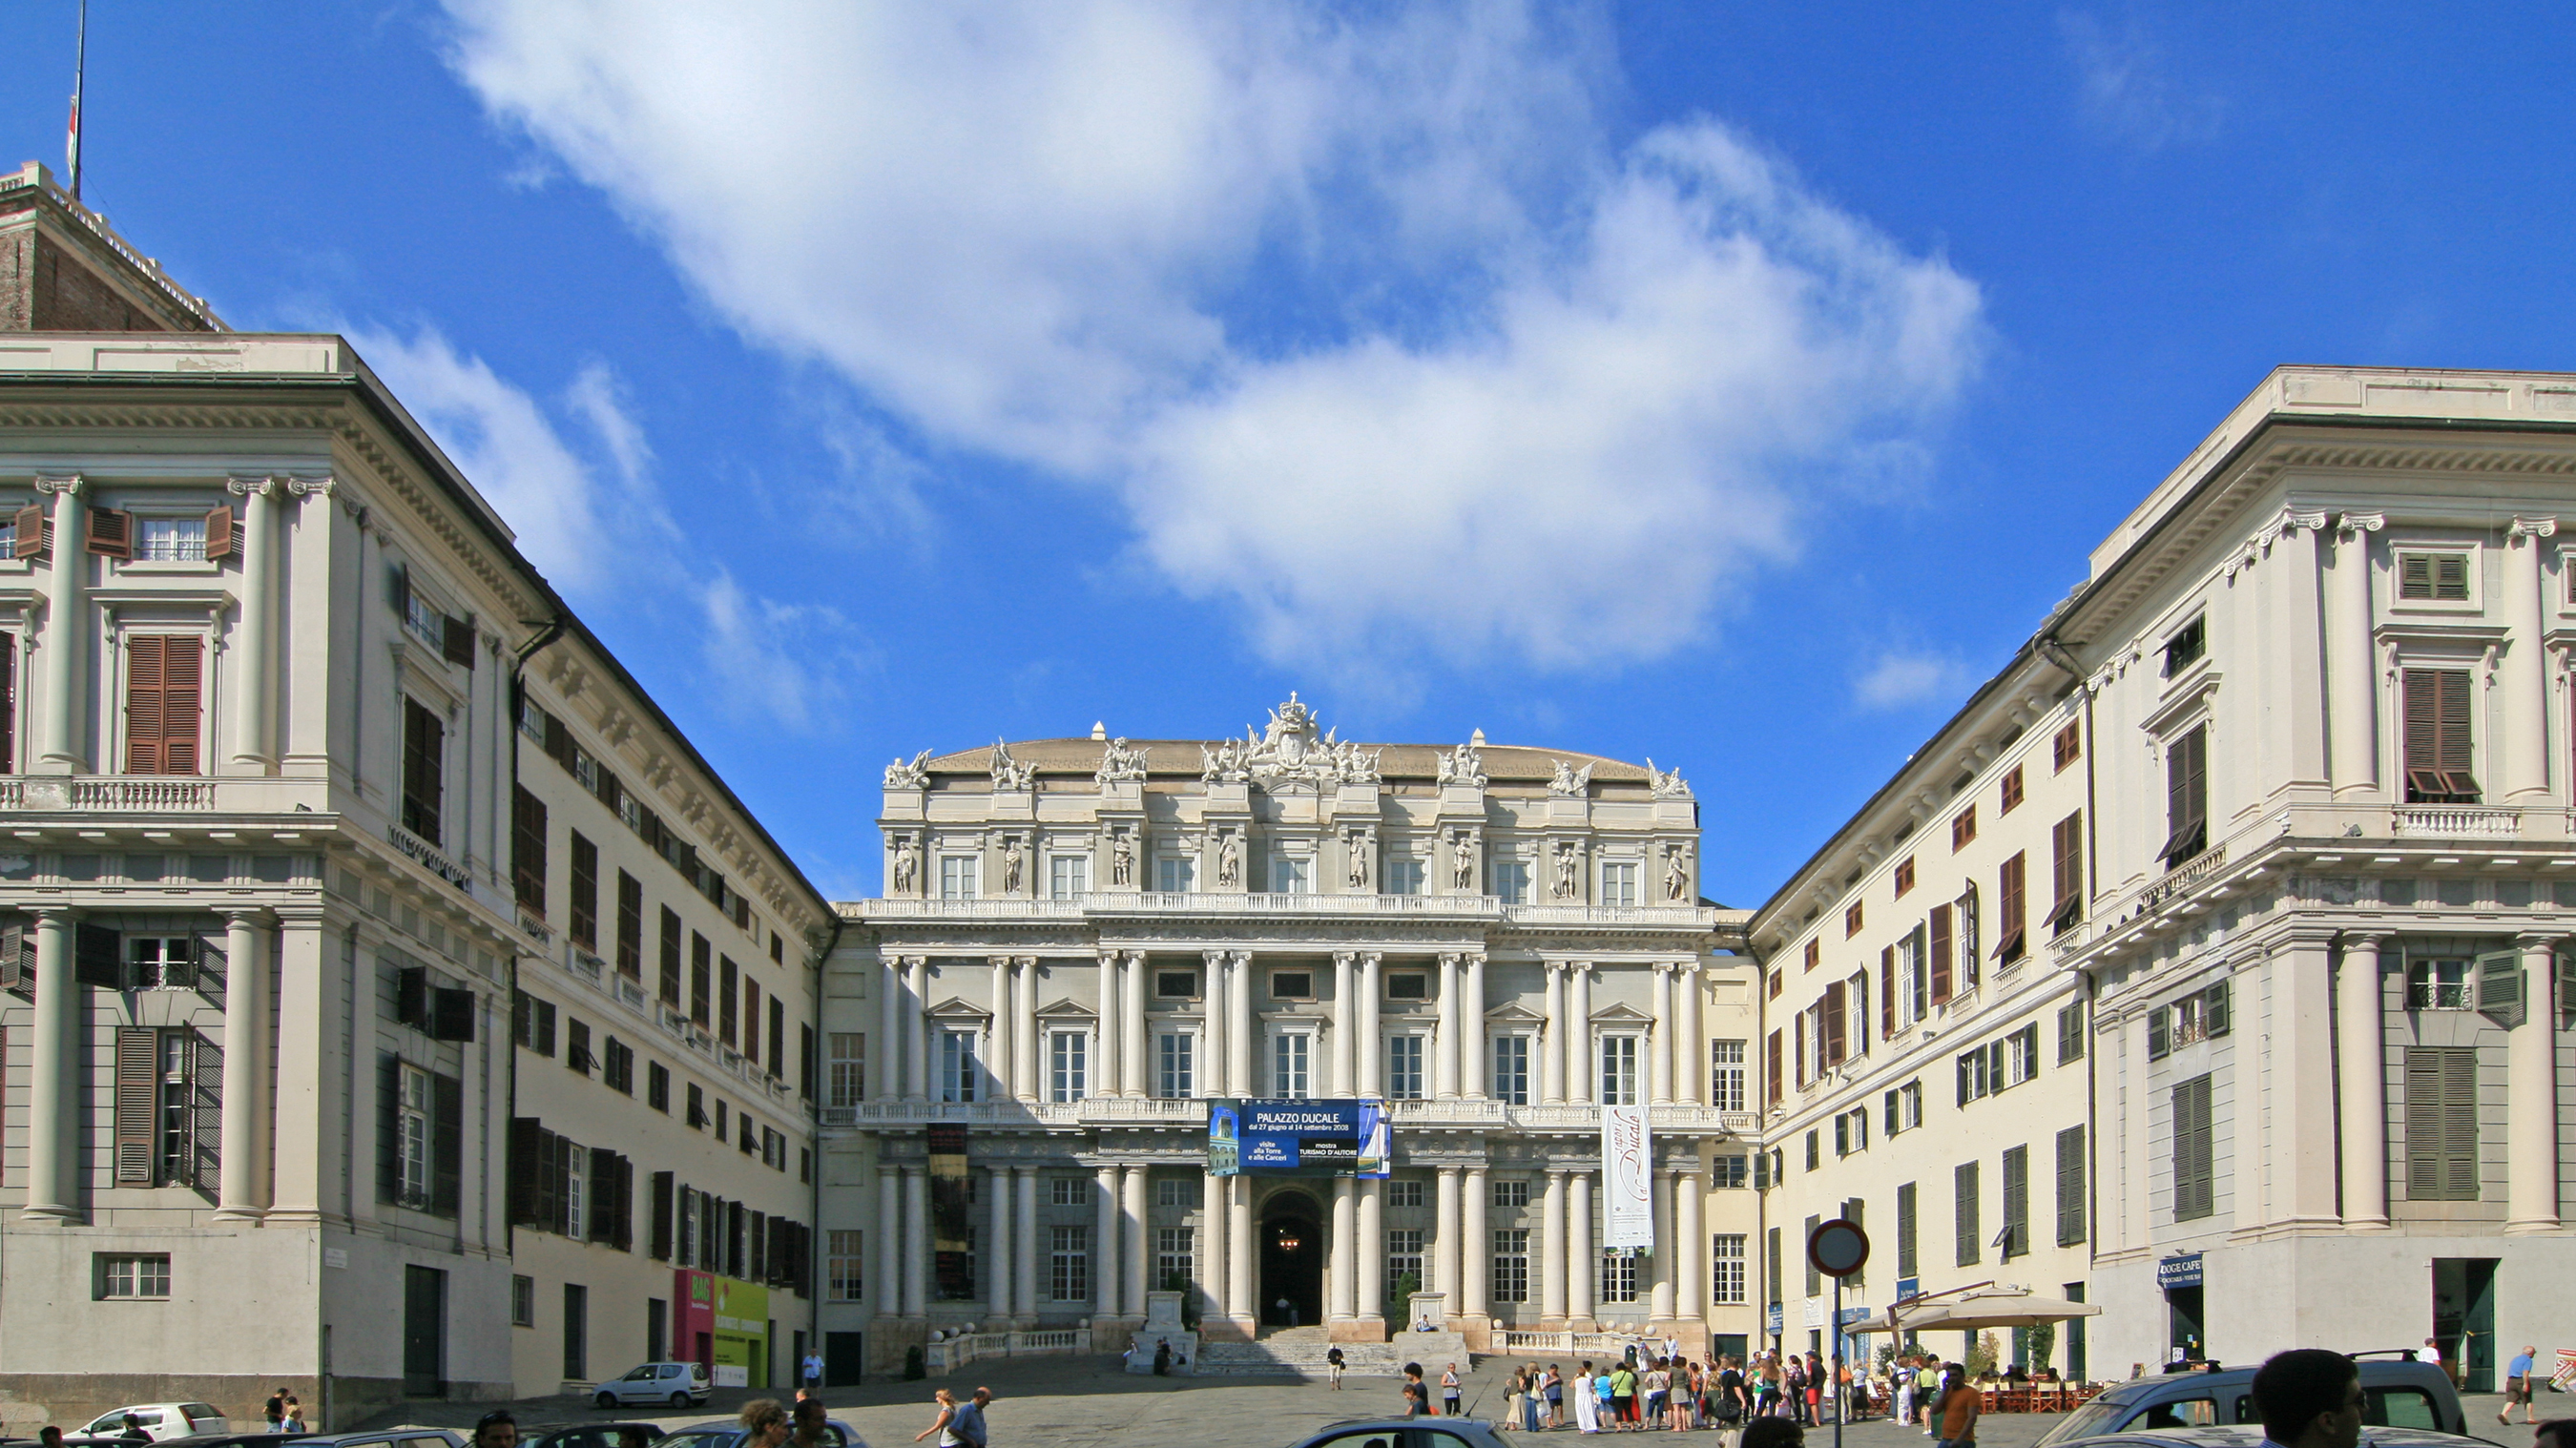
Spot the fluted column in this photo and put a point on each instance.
(887, 1293)
(1659, 1039)
(1342, 1301)
(1134, 1054)
(998, 1247)
(1445, 1253)
(2362, 1064)
(1580, 1262)
(1239, 1058)
(888, 1045)
(60, 745)
(1580, 1072)
(1371, 1251)
(2351, 681)
(1005, 1063)
(1690, 1256)
(1473, 1069)
(1370, 1046)
(1477, 1242)
(1113, 1030)
(252, 685)
(1345, 1061)
(2531, 1095)
(916, 1080)
(1551, 1043)
(1104, 1247)
(243, 1184)
(1661, 1184)
(916, 1241)
(1212, 1071)
(1212, 1244)
(1690, 1043)
(1140, 1252)
(1239, 1258)
(1444, 1071)
(1025, 1299)
(2525, 731)
(51, 1119)
(1030, 1067)
(1551, 1253)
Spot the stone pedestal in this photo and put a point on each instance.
(1429, 1313)
(1162, 1328)
(1357, 1329)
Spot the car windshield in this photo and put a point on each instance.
(2094, 1417)
(640, 1374)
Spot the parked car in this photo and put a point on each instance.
(2250, 1435)
(589, 1435)
(160, 1421)
(230, 1440)
(2396, 1393)
(728, 1433)
(679, 1384)
(1408, 1433)
(403, 1437)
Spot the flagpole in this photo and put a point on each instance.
(80, 66)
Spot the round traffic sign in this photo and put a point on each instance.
(1838, 1248)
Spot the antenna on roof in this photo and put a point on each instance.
(80, 65)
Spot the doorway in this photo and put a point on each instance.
(1292, 1260)
(2464, 1319)
(2183, 1332)
(845, 1359)
(424, 1332)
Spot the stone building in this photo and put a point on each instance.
(1084, 939)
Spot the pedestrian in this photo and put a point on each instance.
(2517, 1388)
(938, 1425)
(1902, 1379)
(1417, 1398)
(1927, 1387)
(764, 1424)
(2309, 1398)
(294, 1420)
(1555, 1392)
(1514, 1389)
(1587, 1402)
(636, 1435)
(1732, 1405)
(275, 1409)
(813, 1429)
(1333, 1369)
(50, 1436)
(1623, 1396)
(968, 1426)
(1286, 1309)
(1656, 1383)
(1449, 1390)
(1162, 1357)
(1955, 1412)
(813, 1372)
(1605, 1404)
(495, 1429)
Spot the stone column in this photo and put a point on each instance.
(1444, 1070)
(2525, 730)
(253, 685)
(2362, 1067)
(887, 1293)
(1690, 1050)
(889, 1042)
(1445, 1243)
(1660, 1298)
(1025, 1307)
(1104, 1248)
(1240, 1280)
(998, 1247)
(1690, 1258)
(1212, 1244)
(1007, 1081)
(2300, 1109)
(2531, 1095)
(916, 1241)
(60, 745)
(1212, 1043)
(1580, 1262)
(2351, 681)
(1031, 1067)
(1342, 1288)
(1371, 1251)
(1551, 1045)
(244, 1182)
(1579, 1068)
(308, 1002)
(916, 1080)
(1478, 1244)
(1473, 1069)
(1140, 1251)
(1113, 1029)
(1551, 1256)
(1371, 1047)
(1135, 1055)
(1345, 1061)
(1238, 999)
(53, 1118)
(1659, 1046)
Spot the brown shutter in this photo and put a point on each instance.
(456, 640)
(98, 956)
(206, 1114)
(143, 671)
(446, 1144)
(1887, 992)
(1771, 1069)
(1834, 1038)
(29, 540)
(138, 1085)
(111, 533)
(2013, 924)
(751, 1020)
(164, 689)
(219, 534)
(1941, 946)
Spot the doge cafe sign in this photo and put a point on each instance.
(1297, 1138)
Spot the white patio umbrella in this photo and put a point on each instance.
(1985, 1307)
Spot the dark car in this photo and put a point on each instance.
(1408, 1433)
(2250, 1435)
(728, 1433)
(589, 1435)
(2398, 1393)
(222, 1440)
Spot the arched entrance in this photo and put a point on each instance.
(1292, 1258)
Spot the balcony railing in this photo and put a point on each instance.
(1201, 903)
(429, 857)
(2454, 822)
(1466, 1113)
(105, 793)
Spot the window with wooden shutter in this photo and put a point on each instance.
(583, 926)
(446, 1143)
(2069, 744)
(111, 533)
(456, 640)
(18, 958)
(2008, 796)
(1963, 828)
(526, 1155)
(2188, 645)
(670, 973)
(1887, 992)
(205, 1114)
(2016, 1230)
(2012, 907)
(2194, 1152)
(1971, 937)
(2159, 1033)
(728, 1000)
(1942, 940)
(1856, 1013)
(777, 1037)
(1830, 1009)
(2214, 1015)
(630, 926)
(2070, 1186)
(661, 1243)
(702, 980)
(219, 534)
(2066, 869)
(164, 702)
(602, 1226)
(1771, 1071)
(2186, 797)
(30, 535)
(2433, 577)
(750, 1019)
(1963, 1188)
(424, 770)
(138, 1100)
(2441, 1123)
(2436, 708)
(388, 1128)
(98, 956)
(528, 850)
(1904, 876)
(1905, 1224)
(8, 703)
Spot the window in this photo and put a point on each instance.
(2437, 985)
(1851, 924)
(1851, 1131)
(1291, 874)
(670, 972)
(1618, 1276)
(1771, 1278)
(2070, 1186)
(2021, 1056)
(2187, 1021)
(617, 1067)
(1175, 1258)
(956, 1059)
(1404, 1193)
(630, 926)
(1509, 1193)
(576, 1331)
(1511, 880)
(2016, 1232)
(1067, 1191)
(1403, 874)
(575, 1185)
(2009, 796)
(1511, 1083)
(697, 1116)
(1068, 876)
(848, 1081)
(169, 540)
(1292, 985)
(1403, 1257)
(2186, 797)
(702, 980)
(1408, 985)
(1180, 1192)
(132, 1275)
(1176, 984)
(2070, 1033)
(1289, 1055)
(2187, 645)
(577, 1047)
(1172, 1065)
(1726, 1267)
(1906, 1265)
(1901, 1109)
(1815, 1153)
(1815, 1279)
(2433, 577)
(584, 924)
(2012, 900)
(527, 848)
(2069, 744)
(1904, 876)
(1963, 1187)
(657, 1086)
(1618, 882)
(1771, 1070)
(2436, 705)
(164, 698)
(1511, 1264)
(523, 1301)
(1726, 1075)
(1175, 874)
(157, 962)
(412, 1135)
(1069, 1264)
(2194, 1174)
(957, 877)
(1618, 1070)
(2441, 1123)
(1728, 1173)
(1977, 1073)
(1065, 1062)
(1963, 829)
(2066, 856)
(1815, 954)
(844, 1264)
(1774, 982)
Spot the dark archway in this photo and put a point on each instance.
(1292, 1258)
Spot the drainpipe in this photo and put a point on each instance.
(813, 1067)
(546, 633)
(2087, 988)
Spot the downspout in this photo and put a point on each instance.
(2087, 987)
(546, 633)
(1761, 1239)
(814, 1073)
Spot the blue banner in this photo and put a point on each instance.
(2182, 1271)
(1298, 1138)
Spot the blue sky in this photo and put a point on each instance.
(1733, 385)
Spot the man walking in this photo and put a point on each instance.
(275, 1409)
(2517, 1388)
(813, 1366)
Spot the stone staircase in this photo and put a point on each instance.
(1299, 1352)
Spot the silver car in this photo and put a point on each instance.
(159, 1420)
(1409, 1433)
(681, 1385)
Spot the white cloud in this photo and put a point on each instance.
(1902, 681)
(1362, 320)
(2127, 90)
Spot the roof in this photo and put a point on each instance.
(1179, 759)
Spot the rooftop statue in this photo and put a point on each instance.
(915, 775)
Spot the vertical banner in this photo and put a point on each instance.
(951, 1215)
(1377, 1142)
(1627, 1206)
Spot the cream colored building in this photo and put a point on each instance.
(1085, 938)
(2295, 811)
(282, 834)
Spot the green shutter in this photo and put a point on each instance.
(2016, 1233)
(2214, 1009)
(1964, 1187)
(2070, 1186)
(2442, 1124)
(2499, 986)
(2159, 1033)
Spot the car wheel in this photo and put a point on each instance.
(606, 1400)
(679, 1400)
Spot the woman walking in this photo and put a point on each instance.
(938, 1425)
(1587, 1400)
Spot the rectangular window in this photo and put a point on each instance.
(1852, 917)
(2437, 710)
(164, 704)
(1511, 1264)
(523, 1301)
(844, 1266)
(1289, 1053)
(1292, 985)
(2186, 797)
(1403, 1258)
(1069, 1264)
(1403, 874)
(412, 1136)
(2069, 744)
(2187, 645)
(1618, 1276)
(1618, 1070)
(1726, 1268)
(1771, 1070)
(1068, 876)
(1066, 1080)
(1172, 1065)
(617, 1066)
(1291, 874)
(728, 998)
(170, 540)
(1906, 1265)
(2194, 1175)
(1937, 971)
(2437, 984)
(702, 980)
(630, 926)
(2433, 577)
(2070, 1033)
(1904, 876)
(657, 1086)
(1730, 1172)
(1408, 985)
(957, 1069)
(1509, 1193)
(1815, 1279)
(957, 877)
(1404, 1068)
(2066, 857)
(1068, 1191)
(2012, 904)
(1175, 874)
(2441, 1123)
(424, 768)
(848, 1082)
(2070, 1186)
(1771, 1278)
(1404, 1193)
(1726, 1075)
(1815, 1155)
(2008, 797)
(2016, 1232)
(1511, 1083)
(527, 850)
(1175, 1258)
(1511, 880)
(126, 1276)
(1176, 984)
(670, 975)
(1618, 882)
(1963, 1185)
(1963, 828)
(583, 926)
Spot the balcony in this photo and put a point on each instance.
(429, 857)
(1125, 905)
(2454, 822)
(1460, 1114)
(79, 793)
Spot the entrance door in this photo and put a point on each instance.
(845, 1359)
(1292, 1261)
(2464, 1318)
(424, 1332)
(2075, 1337)
(2182, 1313)
(657, 1329)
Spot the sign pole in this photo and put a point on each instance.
(1834, 1373)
